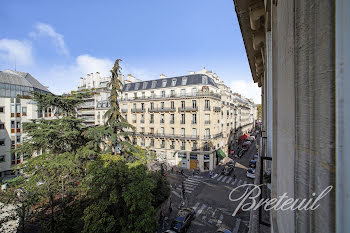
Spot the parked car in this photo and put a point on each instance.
(183, 220)
(252, 163)
(227, 170)
(251, 173)
(223, 230)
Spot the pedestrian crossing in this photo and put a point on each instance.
(231, 180)
(214, 216)
(190, 184)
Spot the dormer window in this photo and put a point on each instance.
(137, 86)
(173, 82)
(154, 83)
(127, 87)
(144, 85)
(204, 80)
(184, 81)
(164, 83)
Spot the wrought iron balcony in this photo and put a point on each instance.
(161, 110)
(217, 109)
(138, 110)
(178, 95)
(188, 109)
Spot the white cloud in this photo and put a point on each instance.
(248, 89)
(12, 51)
(88, 64)
(44, 30)
(63, 79)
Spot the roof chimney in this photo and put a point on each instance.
(192, 72)
(162, 76)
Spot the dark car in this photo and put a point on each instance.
(183, 220)
(252, 163)
(231, 164)
(227, 170)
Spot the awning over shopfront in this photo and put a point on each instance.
(220, 153)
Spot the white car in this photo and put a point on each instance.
(250, 175)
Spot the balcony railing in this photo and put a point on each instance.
(179, 95)
(207, 108)
(182, 148)
(138, 110)
(188, 109)
(217, 109)
(207, 136)
(161, 110)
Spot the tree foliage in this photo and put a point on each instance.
(73, 179)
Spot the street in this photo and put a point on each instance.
(209, 197)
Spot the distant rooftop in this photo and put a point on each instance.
(185, 80)
(21, 79)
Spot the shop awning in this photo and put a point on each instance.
(220, 153)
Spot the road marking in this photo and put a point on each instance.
(200, 177)
(186, 190)
(214, 213)
(215, 175)
(176, 194)
(229, 180)
(189, 188)
(235, 229)
(191, 182)
(234, 182)
(195, 206)
(223, 180)
(201, 210)
(193, 178)
(219, 178)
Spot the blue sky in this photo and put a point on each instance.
(60, 41)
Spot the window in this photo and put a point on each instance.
(183, 92)
(142, 106)
(137, 85)
(152, 130)
(182, 104)
(152, 106)
(152, 142)
(142, 118)
(162, 130)
(194, 132)
(204, 80)
(164, 83)
(127, 87)
(134, 118)
(194, 104)
(163, 144)
(126, 96)
(172, 145)
(2, 142)
(2, 158)
(162, 105)
(182, 118)
(194, 145)
(2, 126)
(18, 139)
(172, 105)
(163, 94)
(154, 83)
(144, 85)
(12, 124)
(142, 130)
(172, 118)
(173, 82)
(172, 93)
(2, 109)
(162, 118)
(183, 145)
(135, 95)
(194, 91)
(152, 94)
(152, 118)
(194, 118)
(207, 118)
(184, 81)
(172, 131)
(143, 95)
(207, 133)
(134, 106)
(207, 104)
(182, 132)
